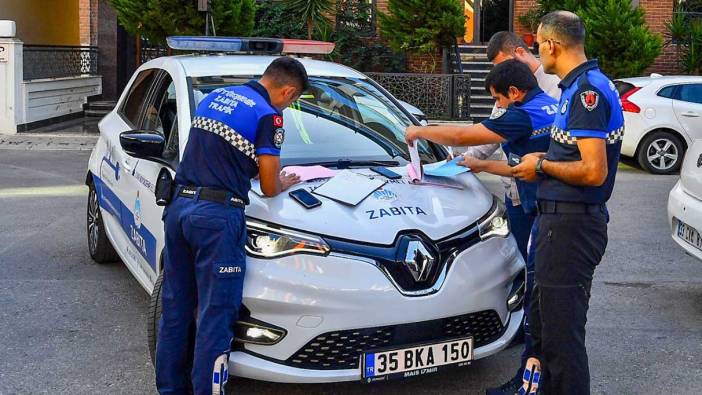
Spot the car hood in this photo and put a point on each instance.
(398, 206)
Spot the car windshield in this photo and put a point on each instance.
(337, 118)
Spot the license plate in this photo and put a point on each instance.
(416, 360)
(689, 234)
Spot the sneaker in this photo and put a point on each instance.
(509, 388)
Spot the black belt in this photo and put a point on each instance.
(211, 195)
(554, 207)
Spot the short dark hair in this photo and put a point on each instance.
(505, 42)
(565, 27)
(510, 73)
(288, 71)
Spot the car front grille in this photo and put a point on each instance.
(342, 349)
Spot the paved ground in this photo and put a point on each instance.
(69, 326)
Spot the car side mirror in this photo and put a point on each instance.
(143, 144)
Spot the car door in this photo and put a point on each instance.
(687, 105)
(146, 228)
(112, 179)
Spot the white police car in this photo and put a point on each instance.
(413, 279)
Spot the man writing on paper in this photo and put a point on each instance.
(205, 224)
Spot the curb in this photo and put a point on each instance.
(48, 142)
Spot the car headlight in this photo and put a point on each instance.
(495, 223)
(264, 241)
(258, 333)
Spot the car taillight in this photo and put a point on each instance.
(627, 105)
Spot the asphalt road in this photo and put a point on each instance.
(69, 326)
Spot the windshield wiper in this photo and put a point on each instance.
(347, 163)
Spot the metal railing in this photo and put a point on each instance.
(439, 96)
(148, 52)
(55, 61)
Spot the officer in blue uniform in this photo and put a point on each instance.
(236, 134)
(576, 180)
(522, 127)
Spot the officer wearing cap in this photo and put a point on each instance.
(522, 127)
(237, 133)
(576, 178)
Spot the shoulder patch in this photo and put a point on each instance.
(564, 108)
(590, 100)
(498, 113)
(279, 137)
(277, 121)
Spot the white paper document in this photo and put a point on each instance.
(349, 188)
(415, 162)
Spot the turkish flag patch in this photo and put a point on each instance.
(277, 121)
(590, 100)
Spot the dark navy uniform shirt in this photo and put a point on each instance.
(589, 108)
(231, 127)
(525, 126)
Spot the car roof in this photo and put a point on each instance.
(667, 79)
(211, 65)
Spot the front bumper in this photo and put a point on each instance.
(310, 296)
(247, 365)
(687, 208)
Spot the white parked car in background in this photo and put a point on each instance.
(685, 203)
(663, 116)
(412, 279)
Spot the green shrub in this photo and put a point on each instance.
(155, 20)
(422, 25)
(273, 20)
(616, 34)
(356, 43)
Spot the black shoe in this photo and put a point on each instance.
(509, 388)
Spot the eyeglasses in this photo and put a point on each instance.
(536, 43)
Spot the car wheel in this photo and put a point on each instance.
(661, 153)
(152, 320)
(154, 317)
(99, 245)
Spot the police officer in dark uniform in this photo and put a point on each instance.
(576, 180)
(522, 127)
(236, 134)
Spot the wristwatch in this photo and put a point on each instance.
(539, 170)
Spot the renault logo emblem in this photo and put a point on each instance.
(699, 161)
(418, 260)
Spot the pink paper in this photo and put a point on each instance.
(411, 173)
(307, 173)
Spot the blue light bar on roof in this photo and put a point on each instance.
(249, 45)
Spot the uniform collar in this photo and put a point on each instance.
(530, 95)
(255, 85)
(577, 72)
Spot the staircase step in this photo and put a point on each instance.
(476, 73)
(470, 48)
(477, 65)
(487, 106)
(100, 105)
